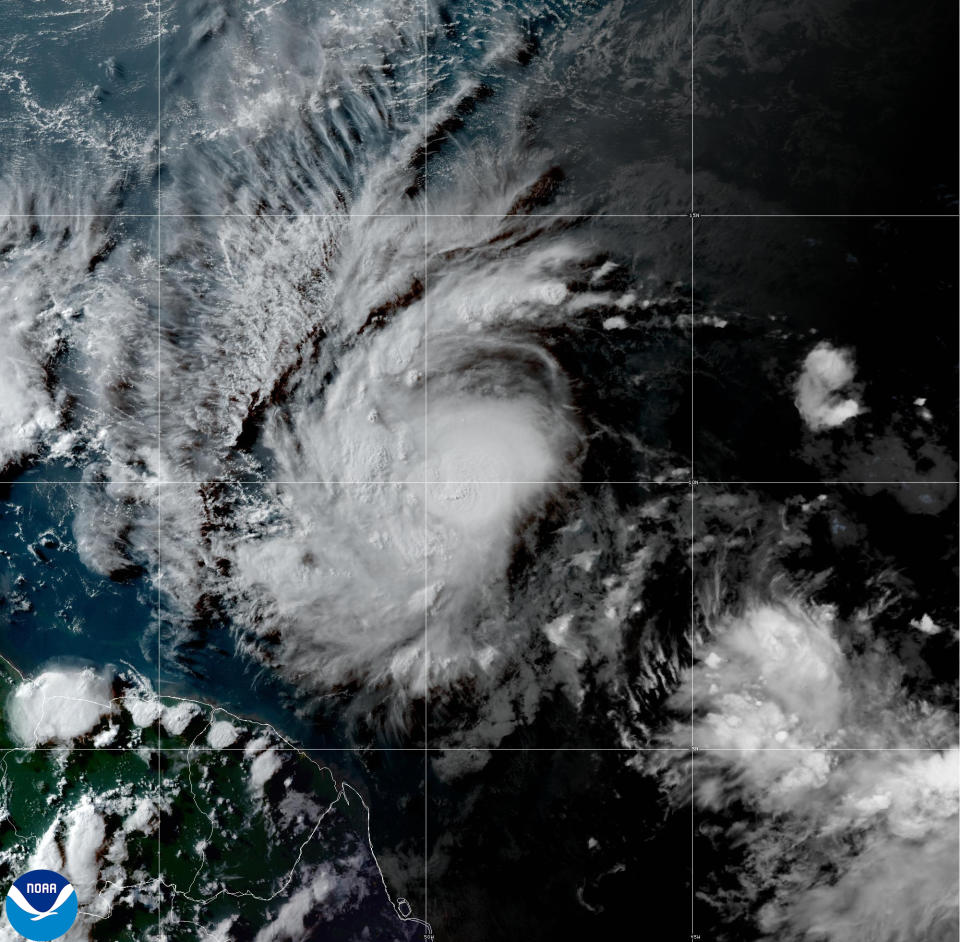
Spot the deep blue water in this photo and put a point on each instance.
(52, 606)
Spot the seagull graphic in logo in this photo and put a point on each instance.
(20, 901)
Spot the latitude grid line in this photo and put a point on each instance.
(640, 482)
(269, 482)
(365, 750)
(954, 216)
(426, 215)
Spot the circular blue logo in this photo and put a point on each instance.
(41, 905)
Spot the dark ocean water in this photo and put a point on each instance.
(55, 607)
(432, 382)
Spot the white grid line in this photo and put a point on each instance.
(624, 750)
(269, 482)
(426, 445)
(159, 460)
(693, 476)
(425, 215)
(294, 216)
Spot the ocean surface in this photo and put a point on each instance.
(480, 471)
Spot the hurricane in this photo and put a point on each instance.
(447, 441)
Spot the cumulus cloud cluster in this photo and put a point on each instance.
(887, 822)
(414, 443)
(393, 386)
(827, 370)
(59, 705)
(840, 769)
(100, 831)
(775, 676)
(756, 682)
(415, 433)
(70, 337)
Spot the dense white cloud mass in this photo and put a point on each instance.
(374, 455)
(77, 366)
(221, 734)
(774, 676)
(26, 407)
(758, 680)
(85, 837)
(177, 717)
(409, 428)
(394, 453)
(827, 752)
(888, 821)
(826, 371)
(35, 282)
(399, 389)
(59, 705)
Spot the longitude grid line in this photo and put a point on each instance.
(693, 485)
(426, 215)
(426, 463)
(694, 482)
(159, 459)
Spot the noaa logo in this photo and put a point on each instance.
(41, 905)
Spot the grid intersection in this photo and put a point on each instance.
(426, 216)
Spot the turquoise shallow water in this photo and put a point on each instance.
(53, 606)
(57, 614)
(296, 315)
(56, 611)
